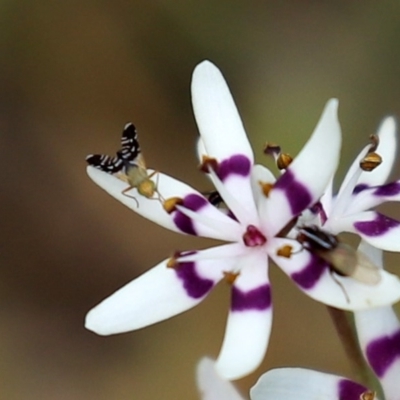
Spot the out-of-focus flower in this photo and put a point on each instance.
(211, 385)
(260, 208)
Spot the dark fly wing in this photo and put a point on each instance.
(105, 163)
(129, 143)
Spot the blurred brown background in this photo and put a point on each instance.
(71, 75)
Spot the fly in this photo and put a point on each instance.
(129, 166)
(343, 259)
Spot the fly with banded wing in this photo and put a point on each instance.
(129, 166)
(342, 258)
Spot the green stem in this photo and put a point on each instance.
(345, 327)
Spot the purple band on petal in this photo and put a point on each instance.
(193, 202)
(298, 195)
(256, 299)
(376, 227)
(360, 187)
(382, 352)
(311, 273)
(349, 390)
(195, 285)
(235, 165)
(388, 190)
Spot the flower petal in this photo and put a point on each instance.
(309, 174)
(219, 225)
(379, 336)
(249, 322)
(303, 384)
(222, 133)
(376, 229)
(371, 197)
(158, 294)
(314, 277)
(211, 385)
(217, 117)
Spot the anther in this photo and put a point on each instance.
(208, 163)
(370, 162)
(285, 251)
(253, 237)
(230, 277)
(173, 260)
(170, 204)
(272, 149)
(284, 160)
(265, 187)
(368, 395)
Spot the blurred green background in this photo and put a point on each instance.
(71, 75)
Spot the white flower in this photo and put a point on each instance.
(261, 208)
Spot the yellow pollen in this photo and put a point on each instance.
(230, 277)
(170, 204)
(285, 251)
(265, 187)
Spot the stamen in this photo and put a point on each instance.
(370, 162)
(253, 237)
(231, 277)
(284, 160)
(208, 163)
(170, 204)
(272, 149)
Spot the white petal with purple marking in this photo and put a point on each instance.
(379, 336)
(303, 384)
(219, 225)
(158, 294)
(313, 276)
(374, 196)
(376, 229)
(309, 174)
(211, 385)
(217, 117)
(249, 321)
(222, 134)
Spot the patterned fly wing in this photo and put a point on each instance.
(128, 155)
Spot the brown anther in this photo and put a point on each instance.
(170, 204)
(284, 160)
(368, 395)
(370, 162)
(285, 251)
(265, 187)
(173, 260)
(230, 277)
(374, 143)
(208, 163)
(272, 149)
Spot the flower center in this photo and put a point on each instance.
(253, 237)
